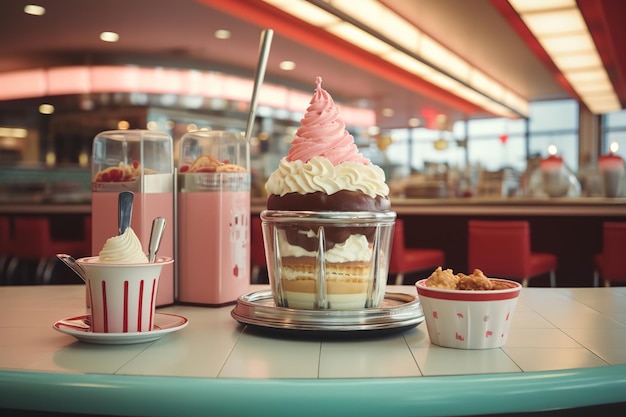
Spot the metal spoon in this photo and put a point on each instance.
(158, 226)
(124, 210)
(74, 266)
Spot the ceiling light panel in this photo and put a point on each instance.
(34, 10)
(379, 30)
(402, 33)
(525, 6)
(109, 37)
(577, 61)
(605, 104)
(222, 34)
(366, 12)
(595, 89)
(515, 101)
(433, 52)
(287, 65)
(359, 38)
(481, 82)
(306, 11)
(567, 44)
(388, 24)
(458, 75)
(561, 30)
(555, 22)
(595, 76)
(408, 63)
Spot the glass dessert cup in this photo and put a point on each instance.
(327, 260)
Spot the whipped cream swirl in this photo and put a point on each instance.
(319, 174)
(123, 249)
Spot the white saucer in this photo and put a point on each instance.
(79, 327)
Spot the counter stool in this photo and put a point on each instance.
(33, 240)
(611, 263)
(257, 249)
(404, 260)
(501, 248)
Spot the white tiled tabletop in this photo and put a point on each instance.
(552, 329)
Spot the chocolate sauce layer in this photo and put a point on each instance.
(319, 201)
(340, 201)
(297, 235)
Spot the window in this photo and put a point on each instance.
(555, 123)
(494, 144)
(614, 131)
(415, 149)
(498, 143)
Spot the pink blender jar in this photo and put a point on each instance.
(213, 218)
(140, 161)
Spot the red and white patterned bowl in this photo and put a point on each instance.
(468, 319)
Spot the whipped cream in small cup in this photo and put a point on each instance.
(123, 249)
(122, 285)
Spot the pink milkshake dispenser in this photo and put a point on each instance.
(140, 161)
(213, 253)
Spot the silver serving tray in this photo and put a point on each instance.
(398, 312)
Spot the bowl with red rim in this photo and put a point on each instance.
(465, 319)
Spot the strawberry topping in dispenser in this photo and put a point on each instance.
(121, 173)
(206, 163)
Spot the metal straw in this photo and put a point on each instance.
(264, 52)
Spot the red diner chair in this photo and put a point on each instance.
(501, 248)
(610, 264)
(257, 249)
(404, 260)
(33, 241)
(6, 243)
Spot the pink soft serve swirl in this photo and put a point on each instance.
(323, 133)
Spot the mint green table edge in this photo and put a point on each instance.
(422, 396)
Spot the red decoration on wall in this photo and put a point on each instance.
(503, 138)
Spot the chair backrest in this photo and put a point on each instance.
(32, 237)
(6, 239)
(257, 247)
(396, 261)
(500, 248)
(614, 250)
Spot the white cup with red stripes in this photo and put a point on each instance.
(122, 296)
(465, 319)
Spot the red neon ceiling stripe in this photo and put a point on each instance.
(265, 15)
(605, 22)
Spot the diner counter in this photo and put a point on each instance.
(566, 349)
(570, 228)
(583, 206)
